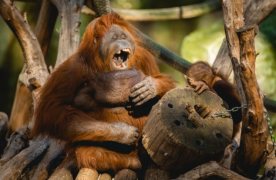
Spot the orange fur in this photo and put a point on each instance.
(57, 116)
(201, 71)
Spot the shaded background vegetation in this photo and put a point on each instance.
(194, 39)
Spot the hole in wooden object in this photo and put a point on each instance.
(201, 110)
(190, 125)
(218, 135)
(199, 142)
(177, 122)
(185, 115)
(170, 105)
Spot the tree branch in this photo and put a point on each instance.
(173, 13)
(35, 73)
(69, 36)
(23, 103)
(255, 128)
(255, 13)
(242, 52)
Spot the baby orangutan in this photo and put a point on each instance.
(202, 77)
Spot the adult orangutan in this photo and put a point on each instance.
(84, 101)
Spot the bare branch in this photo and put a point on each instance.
(23, 103)
(36, 71)
(173, 13)
(255, 129)
(255, 13)
(45, 24)
(242, 52)
(69, 36)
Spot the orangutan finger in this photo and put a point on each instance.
(146, 99)
(201, 89)
(137, 86)
(141, 97)
(138, 91)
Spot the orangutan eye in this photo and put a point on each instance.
(115, 36)
(123, 36)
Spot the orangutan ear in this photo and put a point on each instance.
(95, 41)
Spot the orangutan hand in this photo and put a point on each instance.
(143, 91)
(199, 86)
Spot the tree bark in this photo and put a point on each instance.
(64, 170)
(210, 170)
(36, 71)
(242, 53)
(3, 131)
(255, 12)
(125, 174)
(14, 167)
(50, 159)
(189, 129)
(16, 142)
(69, 36)
(22, 107)
(255, 127)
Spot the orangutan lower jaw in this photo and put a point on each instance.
(120, 59)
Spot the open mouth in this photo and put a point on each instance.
(120, 58)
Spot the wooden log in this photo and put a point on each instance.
(104, 176)
(87, 174)
(50, 160)
(3, 130)
(126, 174)
(15, 167)
(155, 173)
(210, 170)
(64, 170)
(62, 174)
(17, 141)
(189, 129)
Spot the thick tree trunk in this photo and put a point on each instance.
(189, 129)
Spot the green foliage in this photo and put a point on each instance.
(203, 44)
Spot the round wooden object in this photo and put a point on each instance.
(126, 174)
(61, 174)
(87, 174)
(104, 176)
(185, 129)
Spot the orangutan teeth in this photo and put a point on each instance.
(122, 55)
